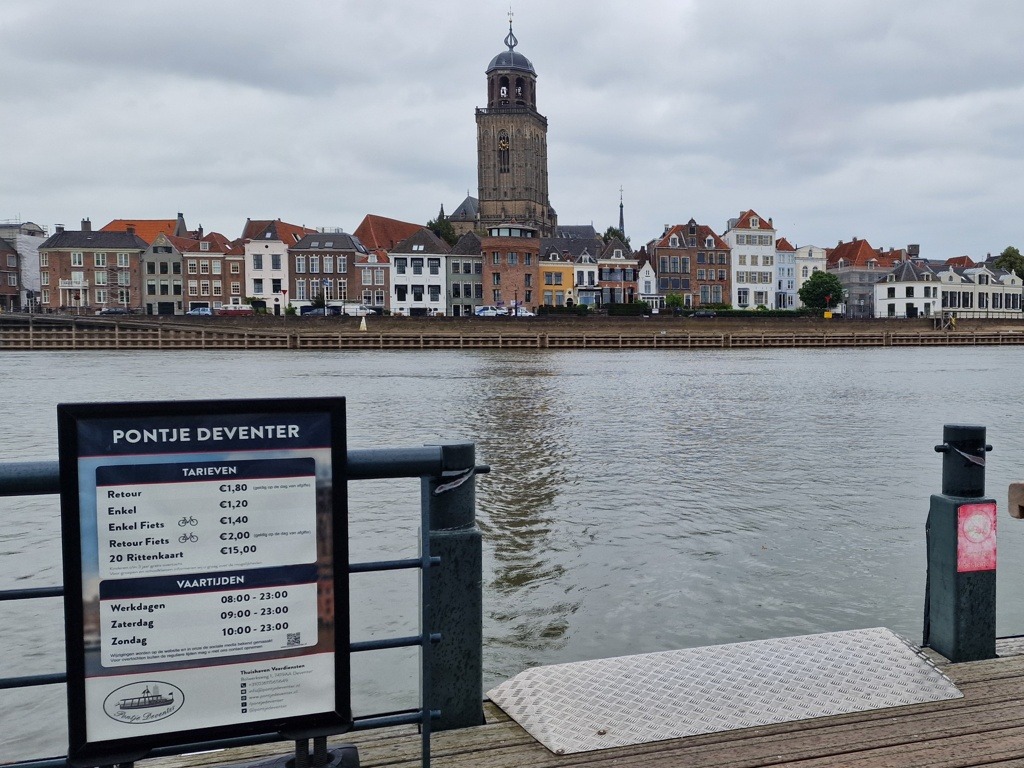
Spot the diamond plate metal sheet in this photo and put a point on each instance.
(616, 702)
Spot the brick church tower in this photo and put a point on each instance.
(512, 148)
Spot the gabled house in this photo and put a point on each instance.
(75, 269)
(616, 273)
(267, 274)
(162, 268)
(419, 275)
(565, 279)
(858, 267)
(647, 281)
(785, 275)
(465, 276)
(324, 264)
(374, 272)
(212, 277)
(692, 262)
(751, 240)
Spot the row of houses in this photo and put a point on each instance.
(163, 267)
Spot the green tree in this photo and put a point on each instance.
(674, 301)
(1011, 259)
(443, 228)
(612, 232)
(822, 290)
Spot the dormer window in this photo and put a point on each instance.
(755, 223)
(891, 278)
(673, 242)
(617, 253)
(204, 246)
(841, 263)
(709, 243)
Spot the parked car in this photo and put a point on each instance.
(114, 311)
(704, 313)
(490, 311)
(522, 312)
(358, 310)
(200, 312)
(320, 311)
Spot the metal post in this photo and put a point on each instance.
(455, 610)
(960, 592)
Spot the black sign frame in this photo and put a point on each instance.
(78, 426)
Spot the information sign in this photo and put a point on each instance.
(206, 572)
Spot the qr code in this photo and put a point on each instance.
(294, 638)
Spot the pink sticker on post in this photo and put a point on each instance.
(976, 537)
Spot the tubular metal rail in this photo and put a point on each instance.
(451, 697)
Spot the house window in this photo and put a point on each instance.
(378, 276)
(257, 261)
(193, 287)
(236, 268)
(496, 278)
(435, 293)
(314, 264)
(434, 265)
(122, 259)
(257, 287)
(417, 266)
(77, 259)
(204, 267)
(328, 263)
(275, 261)
(400, 266)
(99, 260)
(367, 276)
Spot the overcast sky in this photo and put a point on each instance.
(896, 121)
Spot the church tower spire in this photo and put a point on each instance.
(622, 222)
(512, 154)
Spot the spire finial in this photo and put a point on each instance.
(510, 39)
(622, 222)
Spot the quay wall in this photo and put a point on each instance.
(168, 333)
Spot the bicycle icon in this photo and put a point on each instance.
(185, 537)
(188, 521)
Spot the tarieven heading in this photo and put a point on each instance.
(205, 434)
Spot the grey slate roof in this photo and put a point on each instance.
(570, 231)
(468, 245)
(574, 247)
(83, 239)
(467, 210)
(431, 243)
(330, 241)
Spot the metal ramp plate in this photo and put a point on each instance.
(616, 702)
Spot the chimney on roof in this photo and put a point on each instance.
(914, 250)
(130, 229)
(199, 232)
(59, 228)
(86, 225)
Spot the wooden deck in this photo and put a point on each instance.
(985, 728)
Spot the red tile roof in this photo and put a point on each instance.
(782, 244)
(745, 218)
(960, 262)
(682, 231)
(381, 232)
(147, 229)
(857, 253)
(289, 234)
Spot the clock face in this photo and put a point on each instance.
(503, 143)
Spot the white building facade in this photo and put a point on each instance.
(752, 241)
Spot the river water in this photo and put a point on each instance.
(638, 501)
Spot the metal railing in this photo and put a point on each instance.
(451, 600)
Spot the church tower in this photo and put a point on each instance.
(512, 146)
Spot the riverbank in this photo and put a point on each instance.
(48, 332)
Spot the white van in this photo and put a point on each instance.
(358, 310)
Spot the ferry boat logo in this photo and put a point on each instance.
(143, 702)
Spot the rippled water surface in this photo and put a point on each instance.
(638, 501)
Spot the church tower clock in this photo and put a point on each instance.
(512, 148)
